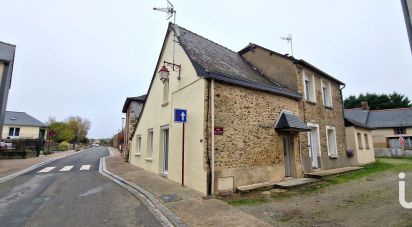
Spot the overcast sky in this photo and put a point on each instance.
(77, 57)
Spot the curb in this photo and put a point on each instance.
(21, 172)
(150, 200)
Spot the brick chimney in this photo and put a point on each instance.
(364, 105)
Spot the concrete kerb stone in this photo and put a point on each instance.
(150, 200)
(21, 172)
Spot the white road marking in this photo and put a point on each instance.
(47, 169)
(66, 168)
(85, 167)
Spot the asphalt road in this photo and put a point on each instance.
(70, 192)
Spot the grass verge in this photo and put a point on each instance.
(381, 164)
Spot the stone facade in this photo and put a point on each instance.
(250, 150)
(317, 113)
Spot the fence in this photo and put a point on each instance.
(20, 148)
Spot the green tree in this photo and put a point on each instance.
(63, 131)
(80, 126)
(378, 101)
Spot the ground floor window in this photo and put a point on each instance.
(331, 141)
(14, 131)
(150, 143)
(138, 144)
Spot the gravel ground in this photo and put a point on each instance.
(372, 201)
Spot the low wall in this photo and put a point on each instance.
(387, 152)
(17, 154)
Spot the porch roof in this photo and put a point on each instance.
(288, 122)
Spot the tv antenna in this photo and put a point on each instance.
(170, 12)
(288, 40)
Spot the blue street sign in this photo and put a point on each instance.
(180, 115)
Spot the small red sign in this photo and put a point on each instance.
(218, 131)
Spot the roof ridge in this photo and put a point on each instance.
(204, 37)
(401, 108)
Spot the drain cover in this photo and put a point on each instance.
(170, 198)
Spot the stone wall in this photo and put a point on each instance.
(317, 113)
(250, 150)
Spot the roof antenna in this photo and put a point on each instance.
(170, 12)
(288, 39)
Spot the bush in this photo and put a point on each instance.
(63, 146)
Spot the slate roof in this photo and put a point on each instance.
(391, 118)
(289, 122)
(21, 119)
(212, 60)
(294, 60)
(141, 98)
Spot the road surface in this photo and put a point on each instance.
(70, 192)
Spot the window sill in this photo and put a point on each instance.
(165, 104)
(138, 154)
(310, 102)
(149, 159)
(328, 107)
(333, 157)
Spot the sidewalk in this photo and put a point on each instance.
(192, 209)
(10, 166)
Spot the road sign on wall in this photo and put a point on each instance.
(180, 115)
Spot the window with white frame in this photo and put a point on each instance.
(14, 131)
(331, 141)
(309, 87)
(326, 93)
(360, 144)
(138, 144)
(150, 143)
(366, 141)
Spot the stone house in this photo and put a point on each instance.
(132, 108)
(252, 116)
(392, 128)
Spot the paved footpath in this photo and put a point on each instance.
(191, 209)
(71, 192)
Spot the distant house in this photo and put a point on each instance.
(359, 142)
(6, 69)
(132, 108)
(21, 125)
(392, 127)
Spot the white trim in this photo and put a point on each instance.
(311, 79)
(329, 88)
(313, 125)
(327, 141)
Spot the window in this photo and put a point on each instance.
(398, 131)
(14, 131)
(309, 87)
(326, 93)
(166, 92)
(150, 144)
(138, 145)
(366, 141)
(360, 145)
(331, 141)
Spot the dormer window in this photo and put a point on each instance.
(309, 87)
(13, 118)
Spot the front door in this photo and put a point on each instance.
(313, 141)
(165, 136)
(287, 158)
